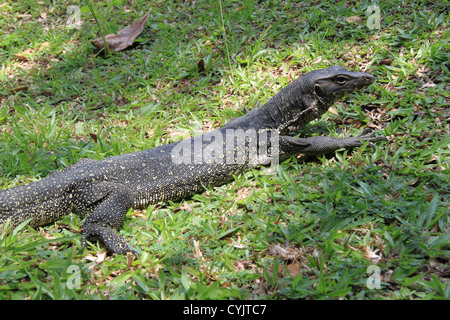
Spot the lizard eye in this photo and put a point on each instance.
(341, 80)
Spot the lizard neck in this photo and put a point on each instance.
(257, 119)
(289, 110)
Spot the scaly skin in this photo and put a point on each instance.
(103, 191)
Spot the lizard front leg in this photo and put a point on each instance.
(315, 146)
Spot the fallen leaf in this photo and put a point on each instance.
(196, 250)
(18, 89)
(285, 252)
(354, 19)
(185, 206)
(101, 257)
(44, 45)
(294, 268)
(21, 57)
(241, 265)
(237, 244)
(90, 258)
(139, 214)
(130, 258)
(25, 15)
(428, 85)
(201, 67)
(124, 37)
(386, 62)
(370, 255)
(354, 122)
(97, 259)
(93, 136)
(318, 60)
(333, 111)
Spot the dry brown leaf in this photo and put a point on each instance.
(294, 268)
(198, 251)
(354, 19)
(90, 258)
(124, 37)
(19, 89)
(354, 122)
(130, 258)
(97, 259)
(101, 257)
(318, 60)
(21, 57)
(201, 67)
(237, 244)
(93, 136)
(333, 111)
(370, 255)
(185, 206)
(428, 85)
(44, 45)
(24, 16)
(285, 252)
(139, 214)
(429, 197)
(386, 62)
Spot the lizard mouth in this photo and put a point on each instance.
(356, 84)
(367, 80)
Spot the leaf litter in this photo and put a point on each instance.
(124, 37)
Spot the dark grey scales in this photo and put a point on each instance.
(105, 190)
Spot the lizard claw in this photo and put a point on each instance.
(113, 241)
(368, 135)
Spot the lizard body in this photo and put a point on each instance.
(103, 191)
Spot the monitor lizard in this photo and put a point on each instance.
(103, 191)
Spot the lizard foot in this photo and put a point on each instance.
(112, 240)
(368, 135)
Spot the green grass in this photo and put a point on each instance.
(302, 233)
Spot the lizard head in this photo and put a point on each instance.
(335, 82)
(305, 99)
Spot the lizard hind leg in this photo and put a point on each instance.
(109, 236)
(107, 217)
